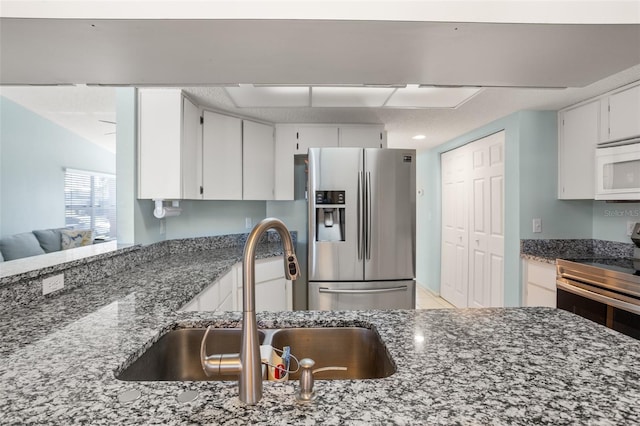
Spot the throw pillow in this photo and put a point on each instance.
(72, 238)
(20, 245)
(49, 239)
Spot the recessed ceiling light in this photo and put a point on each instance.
(419, 137)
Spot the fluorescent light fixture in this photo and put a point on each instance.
(249, 96)
(350, 96)
(419, 137)
(414, 96)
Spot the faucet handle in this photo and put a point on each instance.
(291, 267)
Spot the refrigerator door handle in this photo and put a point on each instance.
(363, 291)
(368, 216)
(359, 217)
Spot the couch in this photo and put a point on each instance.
(42, 241)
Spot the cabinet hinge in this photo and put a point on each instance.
(297, 135)
(201, 190)
(297, 146)
(380, 135)
(201, 120)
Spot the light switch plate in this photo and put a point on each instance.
(52, 284)
(247, 223)
(537, 225)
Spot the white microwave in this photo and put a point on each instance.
(618, 171)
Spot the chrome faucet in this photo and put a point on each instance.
(248, 362)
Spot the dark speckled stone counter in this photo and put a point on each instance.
(488, 366)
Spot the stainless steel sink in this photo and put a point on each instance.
(176, 355)
(358, 349)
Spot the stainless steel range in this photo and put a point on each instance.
(604, 290)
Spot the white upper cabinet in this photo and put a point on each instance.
(577, 138)
(166, 123)
(363, 137)
(623, 115)
(315, 137)
(221, 157)
(284, 159)
(191, 151)
(258, 156)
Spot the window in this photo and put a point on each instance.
(90, 202)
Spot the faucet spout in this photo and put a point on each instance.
(250, 383)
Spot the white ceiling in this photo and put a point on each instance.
(196, 54)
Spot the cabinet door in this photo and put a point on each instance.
(159, 138)
(191, 151)
(284, 160)
(624, 114)
(221, 157)
(315, 137)
(258, 156)
(361, 136)
(272, 295)
(540, 281)
(576, 151)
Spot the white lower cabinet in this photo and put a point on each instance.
(540, 283)
(273, 290)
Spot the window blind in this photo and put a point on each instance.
(90, 202)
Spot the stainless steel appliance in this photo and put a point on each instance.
(361, 228)
(618, 170)
(606, 291)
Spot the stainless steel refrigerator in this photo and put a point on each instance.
(361, 228)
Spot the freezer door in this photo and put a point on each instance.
(335, 170)
(390, 222)
(327, 296)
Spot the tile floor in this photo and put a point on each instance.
(427, 300)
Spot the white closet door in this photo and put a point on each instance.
(472, 258)
(455, 234)
(486, 242)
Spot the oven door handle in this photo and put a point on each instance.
(625, 306)
(570, 277)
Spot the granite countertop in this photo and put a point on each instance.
(484, 366)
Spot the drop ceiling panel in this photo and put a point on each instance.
(248, 96)
(349, 96)
(431, 97)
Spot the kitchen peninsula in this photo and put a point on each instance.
(471, 366)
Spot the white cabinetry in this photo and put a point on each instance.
(168, 125)
(363, 137)
(215, 297)
(623, 118)
(540, 283)
(221, 157)
(284, 160)
(273, 290)
(577, 138)
(258, 156)
(315, 137)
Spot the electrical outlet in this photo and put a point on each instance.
(247, 222)
(630, 226)
(52, 284)
(537, 225)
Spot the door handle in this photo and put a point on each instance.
(359, 219)
(362, 291)
(368, 215)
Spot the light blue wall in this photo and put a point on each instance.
(204, 218)
(610, 220)
(34, 153)
(530, 191)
